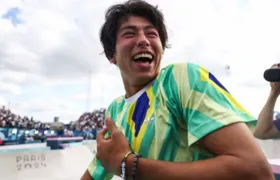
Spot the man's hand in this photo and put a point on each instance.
(111, 150)
(275, 86)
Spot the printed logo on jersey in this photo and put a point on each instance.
(149, 120)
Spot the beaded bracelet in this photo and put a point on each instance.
(123, 166)
(134, 167)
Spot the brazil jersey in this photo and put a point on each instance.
(166, 119)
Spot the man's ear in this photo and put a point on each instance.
(113, 60)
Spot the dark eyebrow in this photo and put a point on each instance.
(127, 28)
(131, 27)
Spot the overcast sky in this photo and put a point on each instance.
(51, 57)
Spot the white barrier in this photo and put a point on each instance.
(45, 165)
(271, 148)
(71, 162)
(66, 164)
(24, 146)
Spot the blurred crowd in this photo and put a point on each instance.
(89, 120)
(9, 119)
(86, 123)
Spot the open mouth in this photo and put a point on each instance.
(143, 58)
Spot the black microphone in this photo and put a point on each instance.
(272, 75)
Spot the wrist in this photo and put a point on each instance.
(129, 164)
(273, 95)
(124, 171)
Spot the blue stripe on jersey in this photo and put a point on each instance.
(277, 124)
(215, 80)
(140, 110)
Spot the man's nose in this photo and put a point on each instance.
(143, 41)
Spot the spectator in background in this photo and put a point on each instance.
(268, 126)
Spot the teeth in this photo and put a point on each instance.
(143, 55)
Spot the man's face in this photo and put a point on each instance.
(138, 51)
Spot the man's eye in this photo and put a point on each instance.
(153, 34)
(129, 34)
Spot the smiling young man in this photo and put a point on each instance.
(168, 115)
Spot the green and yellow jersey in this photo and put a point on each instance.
(166, 119)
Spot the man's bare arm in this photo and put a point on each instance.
(238, 157)
(265, 128)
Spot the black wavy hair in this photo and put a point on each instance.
(119, 12)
